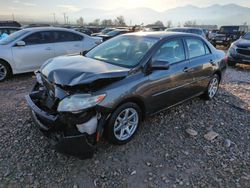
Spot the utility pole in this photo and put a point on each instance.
(67, 20)
(54, 16)
(13, 17)
(64, 16)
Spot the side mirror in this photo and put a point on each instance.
(20, 43)
(160, 65)
(84, 52)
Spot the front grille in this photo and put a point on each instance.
(49, 101)
(220, 38)
(49, 87)
(244, 51)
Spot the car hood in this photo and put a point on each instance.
(242, 43)
(78, 70)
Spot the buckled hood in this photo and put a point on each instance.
(78, 70)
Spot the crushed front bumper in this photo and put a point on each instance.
(78, 145)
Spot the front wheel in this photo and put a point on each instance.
(212, 87)
(5, 71)
(123, 123)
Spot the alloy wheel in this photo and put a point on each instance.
(213, 87)
(126, 124)
(3, 72)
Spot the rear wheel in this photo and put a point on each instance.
(5, 71)
(212, 87)
(123, 123)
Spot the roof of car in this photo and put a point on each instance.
(9, 27)
(186, 28)
(161, 34)
(46, 29)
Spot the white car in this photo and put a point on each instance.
(26, 50)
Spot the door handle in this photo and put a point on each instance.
(77, 45)
(212, 62)
(48, 48)
(186, 69)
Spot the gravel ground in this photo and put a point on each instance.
(196, 144)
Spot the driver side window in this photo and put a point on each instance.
(171, 51)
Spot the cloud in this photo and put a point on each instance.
(30, 4)
(16, 1)
(71, 8)
(13, 8)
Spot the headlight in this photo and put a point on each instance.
(79, 102)
(38, 77)
(232, 49)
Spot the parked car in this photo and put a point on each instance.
(26, 50)
(212, 34)
(196, 31)
(114, 33)
(229, 34)
(205, 31)
(9, 24)
(239, 51)
(36, 25)
(83, 30)
(117, 84)
(7, 30)
(103, 32)
(95, 29)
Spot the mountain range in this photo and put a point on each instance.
(215, 14)
(230, 14)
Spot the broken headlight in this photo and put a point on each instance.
(78, 102)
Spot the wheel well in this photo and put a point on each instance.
(2, 60)
(137, 101)
(219, 74)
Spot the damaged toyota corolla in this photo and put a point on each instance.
(110, 89)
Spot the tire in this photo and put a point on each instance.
(125, 131)
(5, 71)
(210, 93)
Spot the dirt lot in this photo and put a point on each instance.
(163, 153)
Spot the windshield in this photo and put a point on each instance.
(195, 31)
(247, 36)
(125, 51)
(105, 31)
(177, 30)
(13, 37)
(229, 29)
(113, 33)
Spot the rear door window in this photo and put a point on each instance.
(64, 36)
(196, 47)
(171, 51)
(207, 49)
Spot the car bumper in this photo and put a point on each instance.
(76, 145)
(239, 59)
(221, 42)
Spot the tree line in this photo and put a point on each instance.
(120, 21)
